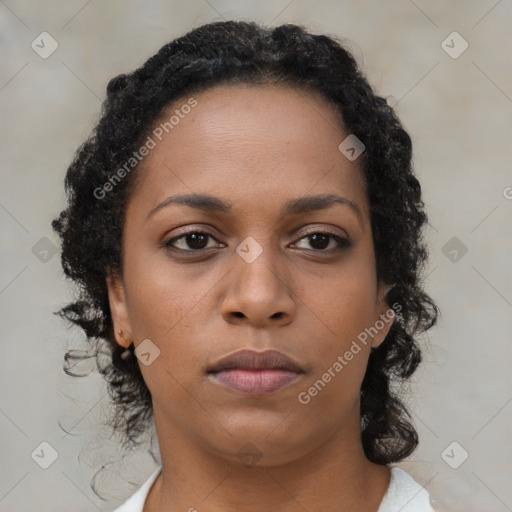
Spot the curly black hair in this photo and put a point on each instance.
(239, 52)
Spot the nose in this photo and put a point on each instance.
(259, 292)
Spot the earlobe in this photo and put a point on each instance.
(386, 315)
(383, 325)
(119, 311)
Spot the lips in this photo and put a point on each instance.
(252, 360)
(255, 373)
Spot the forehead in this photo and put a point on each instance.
(257, 143)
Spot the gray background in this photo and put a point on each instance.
(458, 111)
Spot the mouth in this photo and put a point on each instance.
(255, 373)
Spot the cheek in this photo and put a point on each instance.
(162, 308)
(169, 304)
(345, 304)
(159, 296)
(347, 299)
(341, 353)
(155, 305)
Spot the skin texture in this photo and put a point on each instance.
(256, 147)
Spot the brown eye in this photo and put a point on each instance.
(321, 240)
(190, 242)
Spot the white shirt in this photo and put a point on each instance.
(404, 494)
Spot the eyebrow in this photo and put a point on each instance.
(304, 204)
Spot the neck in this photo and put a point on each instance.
(334, 476)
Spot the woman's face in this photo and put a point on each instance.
(254, 276)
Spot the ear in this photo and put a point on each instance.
(119, 311)
(384, 315)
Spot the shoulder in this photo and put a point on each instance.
(404, 494)
(136, 502)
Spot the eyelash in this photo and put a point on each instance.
(343, 243)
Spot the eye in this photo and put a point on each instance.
(194, 240)
(197, 241)
(324, 241)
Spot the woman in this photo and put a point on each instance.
(246, 232)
